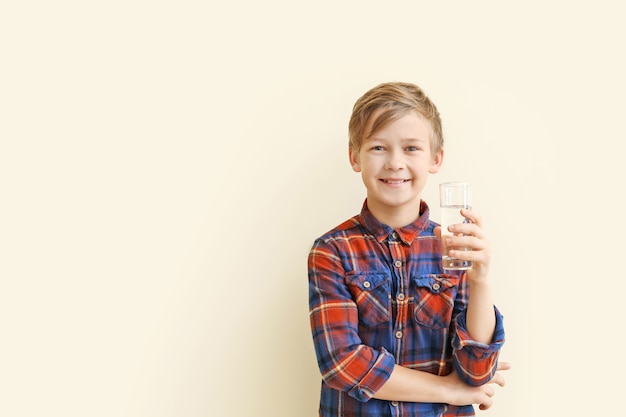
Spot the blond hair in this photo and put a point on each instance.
(397, 99)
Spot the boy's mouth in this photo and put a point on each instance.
(394, 181)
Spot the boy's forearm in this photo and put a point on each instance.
(410, 385)
(406, 384)
(481, 318)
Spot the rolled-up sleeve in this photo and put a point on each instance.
(475, 362)
(346, 364)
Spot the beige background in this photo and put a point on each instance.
(165, 167)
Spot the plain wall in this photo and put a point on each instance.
(165, 167)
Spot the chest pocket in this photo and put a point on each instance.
(371, 292)
(434, 296)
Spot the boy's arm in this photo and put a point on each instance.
(481, 320)
(346, 364)
(479, 332)
(417, 386)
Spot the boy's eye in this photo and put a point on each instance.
(377, 148)
(412, 148)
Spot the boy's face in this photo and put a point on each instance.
(395, 163)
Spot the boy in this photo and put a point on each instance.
(394, 334)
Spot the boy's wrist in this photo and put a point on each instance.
(478, 278)
(446, 389)
(479, 283)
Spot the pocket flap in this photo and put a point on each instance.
(367, 281)
(436, 283)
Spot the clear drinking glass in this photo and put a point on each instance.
(453, 196)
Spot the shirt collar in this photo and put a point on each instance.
(406, 234)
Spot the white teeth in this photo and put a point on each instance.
(395, 181)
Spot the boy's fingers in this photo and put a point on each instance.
(503, 366)
(486, 405)
(498, 379)
(472, 216)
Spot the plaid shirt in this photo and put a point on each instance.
(378, 297)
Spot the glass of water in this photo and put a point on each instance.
(453, 196)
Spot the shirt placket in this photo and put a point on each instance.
(400, 298)
(400, 295)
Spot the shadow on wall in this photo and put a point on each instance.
(284, 370)
(295, 200)
(283, 324)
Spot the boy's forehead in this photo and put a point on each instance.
(390, 118)
(392, 114)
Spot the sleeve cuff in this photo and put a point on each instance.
(463, 340)
(375, 378)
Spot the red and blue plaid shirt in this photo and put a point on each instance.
(379, 297)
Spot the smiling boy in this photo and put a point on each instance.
(394, 334)
(394, 163)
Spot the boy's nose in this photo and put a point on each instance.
(394, 162)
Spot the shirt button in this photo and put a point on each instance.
(398, 334)
(394, 235)
(398, 264)
(400, 297)
(436, 286)
(366, 284)
(395, 403)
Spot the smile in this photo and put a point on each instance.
(394, 181)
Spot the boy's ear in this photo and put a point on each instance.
(354, 160)
(436, 162)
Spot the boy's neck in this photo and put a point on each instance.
(395, 217)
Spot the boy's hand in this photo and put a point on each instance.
(463, 394)
(471, 235)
